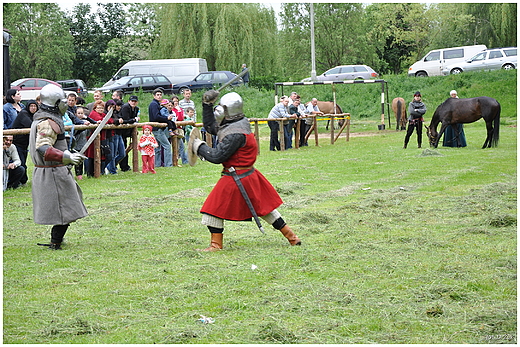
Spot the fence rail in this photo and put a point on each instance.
(132, 147)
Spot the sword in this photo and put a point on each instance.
(97, 131)
(233, 80)
(246, 198)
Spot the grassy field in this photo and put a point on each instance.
(399, 246)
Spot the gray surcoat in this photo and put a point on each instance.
(57, 198)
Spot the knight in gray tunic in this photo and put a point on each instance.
(57, 198)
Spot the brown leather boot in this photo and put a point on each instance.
(290, 235)
(216, 243)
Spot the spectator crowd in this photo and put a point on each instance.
(115, 141)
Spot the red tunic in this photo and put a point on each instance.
(225, 200)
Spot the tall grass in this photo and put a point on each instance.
(399, 246)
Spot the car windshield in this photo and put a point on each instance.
(123, 80)
(203, 77)
(17, 82)
(480, 56)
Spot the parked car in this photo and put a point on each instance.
(77, 86)
(489, 59)
(346, 72)
(146, 83)
(208, 80)
(436, 60)
(30, 87)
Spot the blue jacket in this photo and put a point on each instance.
(10, 114)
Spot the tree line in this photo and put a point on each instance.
(92, 43)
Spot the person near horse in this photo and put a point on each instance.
(57, 198)
(279, 110)
(236, 151)
(416, 111)
(454, 134)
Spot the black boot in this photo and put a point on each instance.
(57, 234)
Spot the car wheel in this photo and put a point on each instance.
(456, 71)
(182, 89)
(508, 67)
(421, 74)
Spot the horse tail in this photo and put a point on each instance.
(496, 128)
(399, 110)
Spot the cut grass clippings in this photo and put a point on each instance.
(398, 247)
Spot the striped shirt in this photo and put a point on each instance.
(185, 104)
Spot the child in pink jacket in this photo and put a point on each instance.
(148, 143)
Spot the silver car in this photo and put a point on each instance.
(489, 59)
(347, 72)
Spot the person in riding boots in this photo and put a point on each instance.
(236, 151)
(57, 198)
(416, 111)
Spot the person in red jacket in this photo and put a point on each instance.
(236, 150)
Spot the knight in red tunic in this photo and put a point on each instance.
(237, 148)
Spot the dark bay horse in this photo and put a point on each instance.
(399, 108)
(327, 107)
(454, 111)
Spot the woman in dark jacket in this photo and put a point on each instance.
(24, 121)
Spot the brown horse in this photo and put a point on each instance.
(399, 108)
(327, 107)
(454, 111)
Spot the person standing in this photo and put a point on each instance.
(130, 115)
(278, 111)
(98, 95)
(161, 134)
(148, 144)
(245, 78)
(187, 102)
(24, 121)
(416, 111)
(57, 198)
(237, 150)
(179, 117)
(454, 134)
(12, 107)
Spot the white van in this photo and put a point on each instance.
(436, 60)
(177, 70)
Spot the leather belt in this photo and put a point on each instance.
(44, 166)
(225, 172)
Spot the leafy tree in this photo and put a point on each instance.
(86, 32)
(397, 30)
(339, 31)
(226, 35)
(41, 45)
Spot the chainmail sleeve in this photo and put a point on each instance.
(225, 148)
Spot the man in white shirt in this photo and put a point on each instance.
(13, 171)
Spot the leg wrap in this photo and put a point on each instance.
(272, 216)
(57, 233)
(279, 224)
(215, 230)
(212, 221)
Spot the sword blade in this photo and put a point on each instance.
(97, 131)
(233, 80)
(246, 198)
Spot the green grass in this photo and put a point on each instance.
(398, 247)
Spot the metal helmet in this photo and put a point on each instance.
(231, 104)
(54, 98)
(219, 114)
